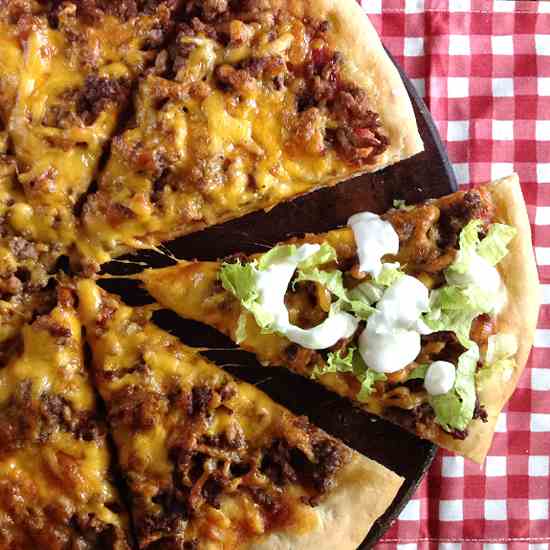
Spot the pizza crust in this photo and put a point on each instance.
(364, 490)
(369, 66)
(519, 317)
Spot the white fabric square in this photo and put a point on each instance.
(543, 7)
(372, 6)
(538, 508)
(495, 510)
(501, 169)
(542, 254)
(546, 289)
(543, 85)
(539, 466)
(458, 130)
(543, 172)
(420, 85)
(503, 87)
(458, 86)
(539, 545)
(501, 426)
(449, 546)
(504, 6)
(542, 217)
(413, 46)
(451, 510)
(542, 335)
(452, 466)
(542, 44)
(495, 466)
(407, 546)
(459, 44)
(503, 130)
(459, 5)
(414, 6)
(502, 45)
(540, 422)
(495, 545)
(462, 172)
(542, 130)
(540, 379)
(411, 512)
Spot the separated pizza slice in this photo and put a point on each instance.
(253, 104)
(424, 316)
(55, 464)
(212, 462)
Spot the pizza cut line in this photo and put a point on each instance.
(254, 103)
(56, 489)
(424, 316)
(211, 462)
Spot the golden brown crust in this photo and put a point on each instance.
(363, 492)
(519, 273)
(371, 68)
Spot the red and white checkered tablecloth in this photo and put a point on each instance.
(484, 70)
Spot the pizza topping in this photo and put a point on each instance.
(474, 285)
(439, 378)
(391, 339)
(374, 239)
(262, 286)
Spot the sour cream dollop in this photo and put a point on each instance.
(272, 283)
(374, 238)
(440, 377)
(391, 339)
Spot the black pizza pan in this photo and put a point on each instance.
(426, 175)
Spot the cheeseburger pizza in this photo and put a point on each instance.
(424, 316)
(55, 484)
(253, 103)
(211, 462)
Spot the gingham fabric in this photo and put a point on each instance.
(483, 69)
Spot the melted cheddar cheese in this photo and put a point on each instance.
(220, 131)
(193, 442)
(54, 460)
(65, 79)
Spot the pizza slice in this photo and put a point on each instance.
(55, 483)
(424, 316)
(212, 462)
(253, 104)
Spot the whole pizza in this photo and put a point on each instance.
(126, 124)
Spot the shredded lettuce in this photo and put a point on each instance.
(494, 246)
(418, 372)
(281, 252)
(240, 332)
(501, 350)
(389, 274)
(455, 409)
(454, 306)
(333, 281)
(352, 363)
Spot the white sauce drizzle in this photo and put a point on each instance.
(391, 339)
(374, 238)
(440, 377)
(272, 283)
